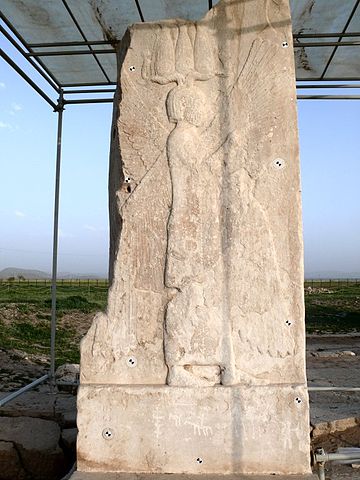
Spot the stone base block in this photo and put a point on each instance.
(129, 476)
(210, 430)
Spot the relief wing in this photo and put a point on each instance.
(257, 85)
(143, 125)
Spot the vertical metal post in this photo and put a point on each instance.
(59, 109)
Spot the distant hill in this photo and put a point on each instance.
(327, 275)
(85, 276)
(40, 275)
(28, 274)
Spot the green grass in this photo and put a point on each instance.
(69, 297)
(35, 339)
(29, 330)
(335, 312)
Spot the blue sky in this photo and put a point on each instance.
(330, 163)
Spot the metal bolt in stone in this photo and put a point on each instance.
(107, 433)
(131, 362)
(132, 68)
(279, 163)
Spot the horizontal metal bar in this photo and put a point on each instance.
(328, 97)
(22, 390)
(344, 85)
(27, 79)
(80, 30)
(91, 84)
(69, 44)
(58, 53)
(329, 457)
(23, 42)
(88, 100)
(326, 44)
(326, 35)
(15, 44)
(329, 79)
(334, 389)
(99, 90)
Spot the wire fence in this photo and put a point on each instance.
(333, 282)
(76, 282)
(102, 282)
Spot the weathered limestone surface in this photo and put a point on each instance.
(205, 310)
(193, 430)
(133, 476)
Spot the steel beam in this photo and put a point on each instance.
(22, 40)
(76, 23)
(43, 73)
(319, 86)
(298, 44)
(326, 35)
(69, 52)
(343, 31)
(59, 110)
(69, 44)
(88, 100)
(139, 10)
(334, 389)
(22, 390)
(27, 78)
(80, 92)
(328, 97)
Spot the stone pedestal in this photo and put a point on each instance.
(197, 366)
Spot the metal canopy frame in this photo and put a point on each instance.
(62, 91)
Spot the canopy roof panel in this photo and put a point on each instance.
(80, 34)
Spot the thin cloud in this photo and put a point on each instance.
(15, 108)
(2, 85)
(19, 213)
(63, 234)
(5, 125)
(91, 228)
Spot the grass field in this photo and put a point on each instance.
(25, 313)
(333, 307)
(25, 316)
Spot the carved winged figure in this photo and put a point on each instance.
(212, 262)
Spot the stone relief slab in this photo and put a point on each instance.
(206, 248)
(202, 347)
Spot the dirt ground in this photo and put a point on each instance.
(336, 415)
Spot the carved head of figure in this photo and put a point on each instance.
(189, 104)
